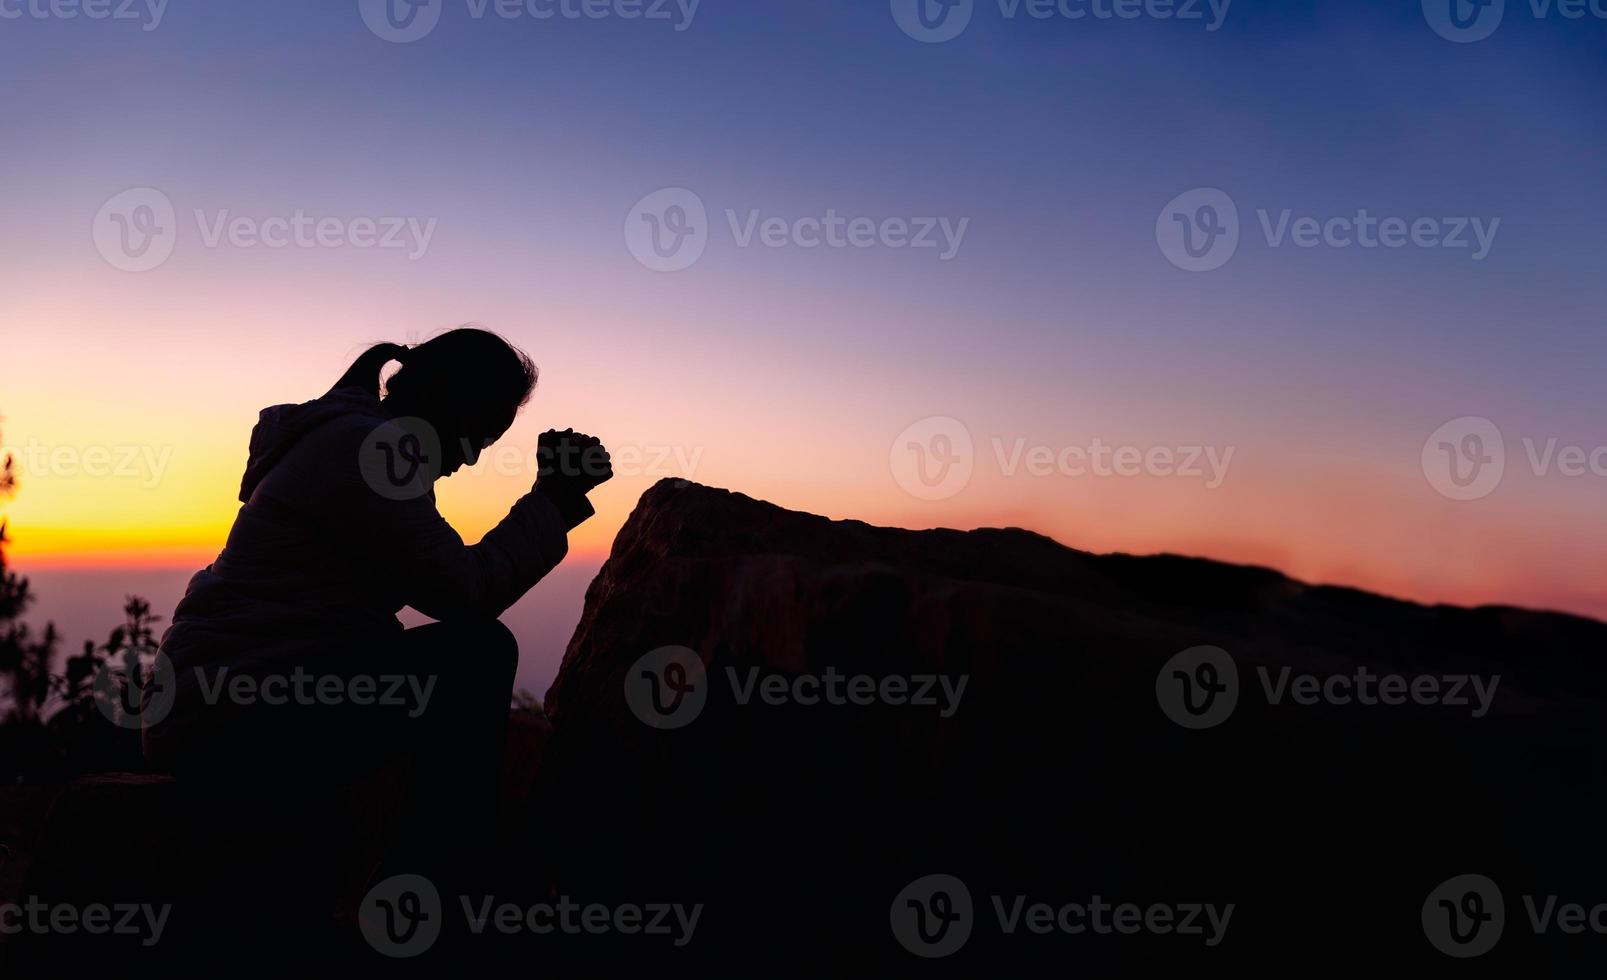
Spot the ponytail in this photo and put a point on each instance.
(467, 365)
(364, 372)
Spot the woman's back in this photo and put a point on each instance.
(295, 564)
(326, 544)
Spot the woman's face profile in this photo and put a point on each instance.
(466, 432)
(468, 386)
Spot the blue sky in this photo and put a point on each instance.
(1057, 141)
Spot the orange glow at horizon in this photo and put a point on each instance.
(130, 441)
(84, 522)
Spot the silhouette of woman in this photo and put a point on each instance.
(289, 665)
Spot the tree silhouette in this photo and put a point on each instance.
(108, 671)
(82, 733)
(25, 658)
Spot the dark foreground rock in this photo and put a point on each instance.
(783, 725)
(206, 877)
(1057, 776)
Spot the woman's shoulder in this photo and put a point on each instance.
(341, 416)
(365, 448)
(353, 415)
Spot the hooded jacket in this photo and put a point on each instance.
(321, 553)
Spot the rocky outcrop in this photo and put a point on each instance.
(740, 579)
(1065, 768)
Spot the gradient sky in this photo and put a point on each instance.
(788, 373)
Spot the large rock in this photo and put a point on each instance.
(1059, 776)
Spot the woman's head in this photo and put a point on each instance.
(467, 383)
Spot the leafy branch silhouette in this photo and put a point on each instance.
(50, 723)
